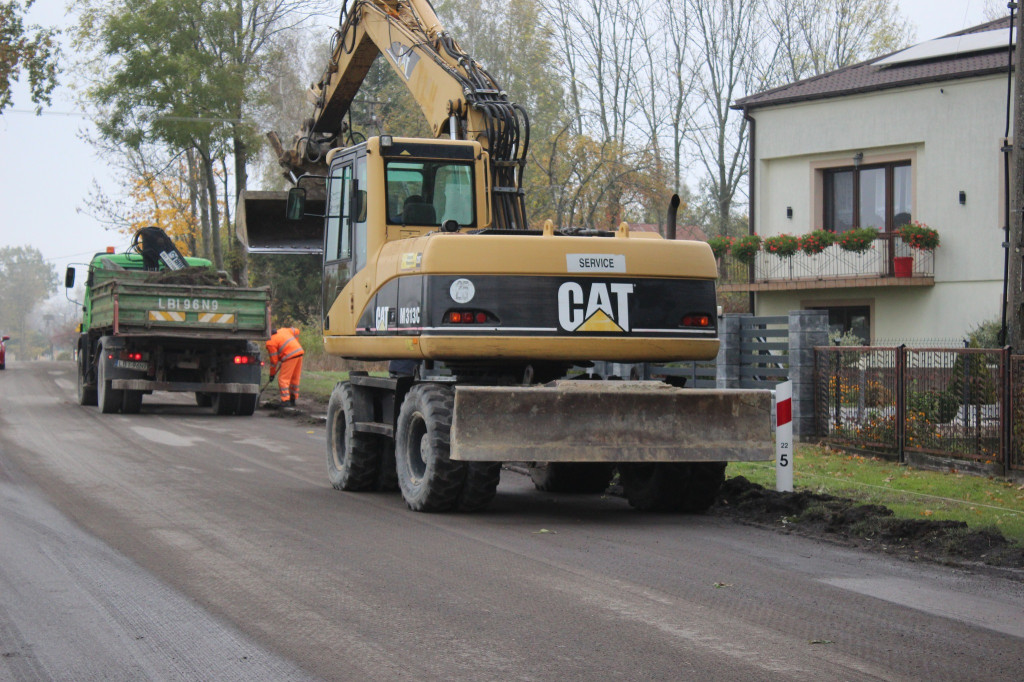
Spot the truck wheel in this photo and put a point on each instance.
(688, 487)
(246, 404)
(86, 393)
(572, 477)
(225, 403)
(481, 485)
(203, 399)
(353, 461)
(132, 402)
(429, 480)
(109, 399)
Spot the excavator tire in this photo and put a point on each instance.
(689, 487)
(572, 477)
(353, 458)
(109, 399)
(86, 394)
(480, 486)
(429, 480)
(387, 480)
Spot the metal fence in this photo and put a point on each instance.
(964, 403)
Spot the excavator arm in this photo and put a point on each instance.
(459, 99)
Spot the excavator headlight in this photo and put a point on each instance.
(385, 141)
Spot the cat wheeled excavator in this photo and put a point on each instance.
(429, 263)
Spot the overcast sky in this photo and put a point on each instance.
(47, 170)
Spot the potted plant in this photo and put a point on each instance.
(720, 245)
(817, 241)
(857, 240)
(745, 248)
(918, 236)
(782, 245)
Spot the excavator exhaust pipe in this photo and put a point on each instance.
(670, 223)
(610, 421)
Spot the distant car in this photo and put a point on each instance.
(3, 352)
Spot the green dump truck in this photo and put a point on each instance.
(158, 329)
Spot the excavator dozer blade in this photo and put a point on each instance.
(611, 421)
(262, 227)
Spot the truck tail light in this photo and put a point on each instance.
(246, 360)
(129, 355)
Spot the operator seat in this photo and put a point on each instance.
(418, 212)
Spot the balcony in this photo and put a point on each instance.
(833, 268)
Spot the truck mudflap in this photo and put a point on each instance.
(611, 421)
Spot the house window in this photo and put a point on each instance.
(876, 195)
(843, 319)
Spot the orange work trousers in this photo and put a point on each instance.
(288, 378)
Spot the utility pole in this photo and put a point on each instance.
(1015, 273)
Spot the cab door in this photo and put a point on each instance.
(338, 267)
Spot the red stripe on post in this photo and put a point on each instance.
(784, 412)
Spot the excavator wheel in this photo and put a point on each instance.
(689, 487)
(353, 458)
(572, 477)
(429, 480)
(480, 487)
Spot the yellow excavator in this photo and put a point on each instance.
(429, 263)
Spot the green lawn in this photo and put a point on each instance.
(910, 493)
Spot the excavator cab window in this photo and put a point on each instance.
(338, 239)
(430, 193)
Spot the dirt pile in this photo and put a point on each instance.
(197, 276)
(865, 525)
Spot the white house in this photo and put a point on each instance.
(916, 135)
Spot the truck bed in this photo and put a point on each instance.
(129, 305)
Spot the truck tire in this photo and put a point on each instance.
(109, 399)
(689, 487)
(132, 402)
(572, 477)
(225, 403)
(246, 404)
(429, 480)
(86, 393)
(480, 487)
(353, 458)
(203, 399)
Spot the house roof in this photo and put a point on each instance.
(870, 76)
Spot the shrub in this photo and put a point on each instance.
(857, 240)
(720, 245)
(745, 248)
(782, 245)
(918, 236)
(815, 242)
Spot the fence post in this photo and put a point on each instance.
(727, 370)
(807, 329)
(901, 402)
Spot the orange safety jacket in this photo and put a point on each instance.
(284, 345)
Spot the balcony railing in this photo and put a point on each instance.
(881, 265)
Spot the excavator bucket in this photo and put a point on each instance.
(610, 421)
(262, 227)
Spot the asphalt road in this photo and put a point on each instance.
(174, 544)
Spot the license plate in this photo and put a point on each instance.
(132, 364)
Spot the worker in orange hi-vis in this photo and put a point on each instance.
(286, 362)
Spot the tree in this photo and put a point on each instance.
(28, 280)
(29, 49)
(817, 36)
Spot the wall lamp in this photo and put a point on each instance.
(789, 212)
(963, 197)
(857, 158)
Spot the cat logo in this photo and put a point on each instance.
(604, 309)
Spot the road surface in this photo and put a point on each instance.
(175, 544)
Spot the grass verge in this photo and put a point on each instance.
(910, 493)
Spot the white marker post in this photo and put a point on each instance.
(784, 437)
